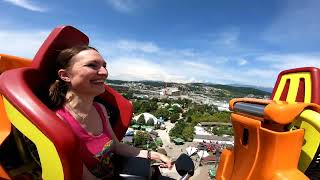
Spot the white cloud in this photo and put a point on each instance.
(227, 42)
(183, 52)
(242, 62)
(123, 5)
(26, 5)
(227, 37)
(131, 61)
(261, 74)
(151, 63)
(128, 68)
(288, 61)
(132, 68)
(21, 43)
(219, 60)
(129, 45)
(196, 66)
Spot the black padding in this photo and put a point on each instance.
(132, 166)
(184, 165)
(313, 171)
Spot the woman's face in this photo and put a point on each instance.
(87, 73)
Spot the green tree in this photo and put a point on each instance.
(153, 105)
(128, 95)
(196, 108)
(222, 130)
(141, 138)
(141, 120)
(176, 131)
(187, 133)
(150, 122)
(189, 119)
(162, 112)
(184, 102)
(176, 109)
(159, 141)
(223, 116)
(141, 106)
(133, 122)
(174, 117)
(136, 106)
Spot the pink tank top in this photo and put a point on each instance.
(95, 149)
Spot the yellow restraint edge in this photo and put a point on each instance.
(50, 161)
(294, 85)
(310, 122)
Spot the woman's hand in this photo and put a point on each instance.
(166, 161)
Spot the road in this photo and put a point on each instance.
(174, 151)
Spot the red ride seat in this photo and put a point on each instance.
(25, 95)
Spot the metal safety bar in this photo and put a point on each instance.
(249, 108)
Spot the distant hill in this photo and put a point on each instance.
(238, 91)
(234, 90)
(266, 89)
(145, 82)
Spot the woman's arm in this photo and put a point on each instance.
(127, 150)
(131, 151)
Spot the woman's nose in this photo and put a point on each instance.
(103, 71)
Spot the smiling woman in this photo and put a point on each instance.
(81, 72)
(80, 69)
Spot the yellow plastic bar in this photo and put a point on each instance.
(49, 158)
(309, 120)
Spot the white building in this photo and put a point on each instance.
(214, 139)
(147, 116)
(170, 91)
(176, 104)
(201, 135)
(198, 130)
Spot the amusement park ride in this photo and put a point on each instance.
(273, 139)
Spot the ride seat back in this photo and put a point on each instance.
(303, 85)
(298, 85)
(25, 97)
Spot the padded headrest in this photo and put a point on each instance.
(60, 38)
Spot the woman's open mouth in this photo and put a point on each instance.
(98, 82)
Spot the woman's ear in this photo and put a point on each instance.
(63, 74)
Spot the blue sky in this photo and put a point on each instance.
(244, 42)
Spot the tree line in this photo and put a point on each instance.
(187, 114)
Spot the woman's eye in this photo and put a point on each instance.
(91, 65)
(96, 65)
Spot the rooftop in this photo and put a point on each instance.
(214, 124)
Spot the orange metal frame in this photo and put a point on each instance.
(265, 154)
